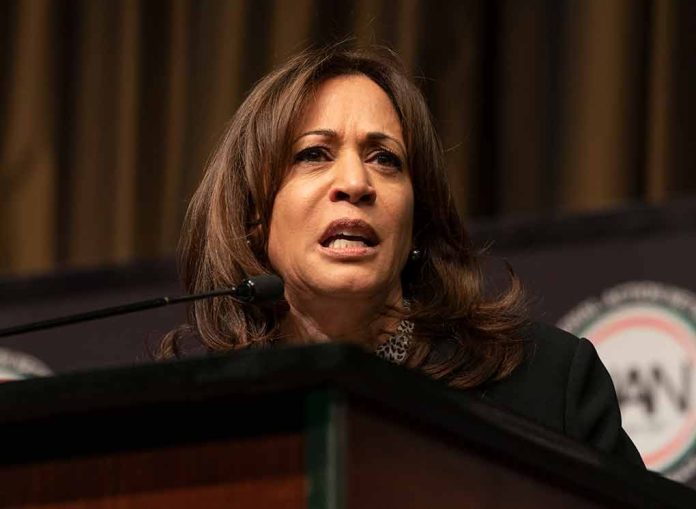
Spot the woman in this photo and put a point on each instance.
(331, 175)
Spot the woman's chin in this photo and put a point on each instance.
(357, 289)
(350, 285)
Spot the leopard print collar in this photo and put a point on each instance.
(395, 349)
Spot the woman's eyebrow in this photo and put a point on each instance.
(329, 133)
(380, 136)
(371, 136)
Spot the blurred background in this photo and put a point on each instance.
(108, 109)
(570, 128)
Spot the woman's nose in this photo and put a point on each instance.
(352, 182)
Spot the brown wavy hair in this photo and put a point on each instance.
(224, 237)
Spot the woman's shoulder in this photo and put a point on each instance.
(537, 387)
(562, 384)
(549, 354)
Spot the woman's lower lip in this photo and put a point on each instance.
(348, 252)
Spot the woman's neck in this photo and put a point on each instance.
(360, 320)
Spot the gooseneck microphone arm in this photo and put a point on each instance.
(256, 289)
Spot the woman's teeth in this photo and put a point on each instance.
(345, 243)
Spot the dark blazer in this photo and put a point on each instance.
(564, 386)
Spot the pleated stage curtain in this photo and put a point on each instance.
(109, 109)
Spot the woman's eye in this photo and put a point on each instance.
(312, 155)
(386, 158)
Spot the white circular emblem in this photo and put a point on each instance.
(18, 366)
(645, 333)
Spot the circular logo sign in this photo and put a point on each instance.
(645, 333)
(18, 366)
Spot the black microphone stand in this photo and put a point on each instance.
(256, 289)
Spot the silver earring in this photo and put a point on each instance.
(415, 255)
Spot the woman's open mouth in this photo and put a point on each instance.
(344, 241)
(349, 237)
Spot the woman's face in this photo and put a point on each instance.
(342, 220)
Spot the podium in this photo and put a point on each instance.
(323, 426)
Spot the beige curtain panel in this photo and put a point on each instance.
(108, 109)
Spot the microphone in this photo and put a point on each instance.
(257, 289)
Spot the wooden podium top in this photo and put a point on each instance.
(312, 423)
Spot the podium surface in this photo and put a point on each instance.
(323, 426)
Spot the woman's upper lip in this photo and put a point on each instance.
(351, 227)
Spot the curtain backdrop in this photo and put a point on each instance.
(109, 109)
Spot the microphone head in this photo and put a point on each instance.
(263, 288)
